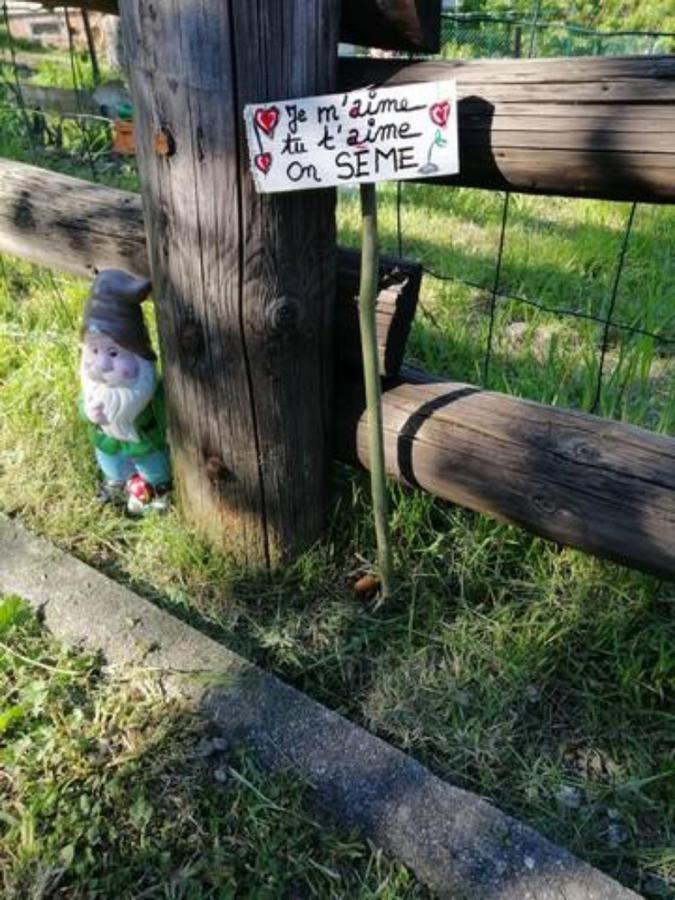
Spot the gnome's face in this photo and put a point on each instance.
(117, 385)
(103, 360)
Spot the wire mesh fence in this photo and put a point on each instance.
(560, 300)
(472, 36)
(49, 112)
(480, 35)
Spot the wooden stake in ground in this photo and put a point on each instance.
(371, 370)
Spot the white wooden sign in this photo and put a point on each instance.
(377, 134)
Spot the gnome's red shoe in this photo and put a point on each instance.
(143, 498)
(139, 495)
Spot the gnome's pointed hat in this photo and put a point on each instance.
(114, 308)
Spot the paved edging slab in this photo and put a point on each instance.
(454, 841)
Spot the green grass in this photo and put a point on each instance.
(109, 790)
(529, 673)
(46, 66)
(73, 145)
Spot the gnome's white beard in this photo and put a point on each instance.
(122, 404)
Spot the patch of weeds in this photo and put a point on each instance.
(109, 790)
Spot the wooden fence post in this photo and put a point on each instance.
(243, 284)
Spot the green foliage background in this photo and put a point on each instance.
(600, 15)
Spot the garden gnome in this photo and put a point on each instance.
(122, 395)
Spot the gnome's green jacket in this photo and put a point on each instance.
(150, 425)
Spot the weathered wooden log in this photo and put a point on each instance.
(594, 127)
(390, 24)
(244, 284)
(79, 227)
(70, 224)
(602, 486)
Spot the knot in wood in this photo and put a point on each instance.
(283, 316)
(165, 143)
(585, 452)
(23, 212)
(190, 340)
(544, 505)
(216, 470)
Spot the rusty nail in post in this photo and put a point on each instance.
(165, 144)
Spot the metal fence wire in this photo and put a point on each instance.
(483, 35)
(480, 35)
(79, 136)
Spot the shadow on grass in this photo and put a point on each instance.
(459, 572)
(422, 685)
(149, 795)
(160, 805)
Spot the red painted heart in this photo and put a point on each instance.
(267, 119)
(440, 113)
(263, 162)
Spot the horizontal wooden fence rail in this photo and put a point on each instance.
(594, 127)
(69, 224)
(78, 227)
(390, 24)
(602, 486)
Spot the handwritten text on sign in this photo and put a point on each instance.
(369, 135)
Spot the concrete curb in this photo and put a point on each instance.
(455, 842)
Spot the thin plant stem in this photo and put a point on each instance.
(371, 369)
(36, 662)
